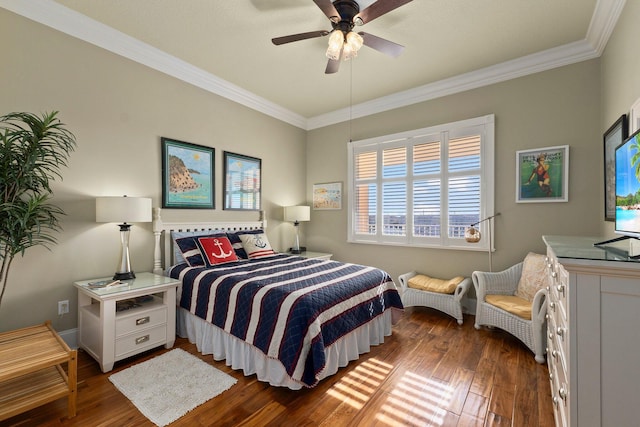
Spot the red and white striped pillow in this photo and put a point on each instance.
(256, 245)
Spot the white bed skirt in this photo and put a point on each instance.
(210, 339)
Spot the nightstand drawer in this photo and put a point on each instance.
(140, 319)
(143, 340)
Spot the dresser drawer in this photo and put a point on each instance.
(141, 341)
(140, 319)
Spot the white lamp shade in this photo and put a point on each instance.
(297, 213)
(123, 209)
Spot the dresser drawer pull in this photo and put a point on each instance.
(560, 289)
(560, 332)
(554, 274)
(552, 306)
(142, 339)
(555, 400)
(143, 320)
(563, 393)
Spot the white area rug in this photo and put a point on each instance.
(168, 386)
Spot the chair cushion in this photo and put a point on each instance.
(514, 305)
(534, 276)
(431, 284)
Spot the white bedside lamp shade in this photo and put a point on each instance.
(296, 214)
(123, 210)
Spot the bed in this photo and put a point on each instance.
(289, 320)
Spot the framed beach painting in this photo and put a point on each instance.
(327, 196)
(187, 175)
(613, 137)
(242, 182)
(542, 175)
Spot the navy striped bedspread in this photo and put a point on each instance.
(289, 307)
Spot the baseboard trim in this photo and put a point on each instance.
(70, 336)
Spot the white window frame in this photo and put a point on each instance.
(484, 126)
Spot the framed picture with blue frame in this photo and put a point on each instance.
(542, 175)
(187, 175)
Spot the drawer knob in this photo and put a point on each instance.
(562, 392)
(143, 320)
(560, 332)
(555, 400)
(143, 339)
(552, 306)
(554, 274)
(561, 289)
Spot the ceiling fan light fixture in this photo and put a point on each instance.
(352, 45)
(336, 41)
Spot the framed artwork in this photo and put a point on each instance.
(187, 175)
(242, 182)
(327, 196)
(613, 137)
(542, 175)
(634, 117)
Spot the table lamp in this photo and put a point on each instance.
(123, 210)
(296, 214)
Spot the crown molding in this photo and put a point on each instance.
(604, 20)
(70, 22)
(61, 18)
(530, 64)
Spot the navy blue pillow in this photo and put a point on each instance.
(191, 251)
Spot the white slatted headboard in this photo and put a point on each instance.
(163, 246)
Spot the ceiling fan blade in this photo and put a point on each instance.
(328, 9)
(378, 9)
(382, 45)
(332, 66)
(295, 37)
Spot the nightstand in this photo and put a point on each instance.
(123, 320)
(317, 255)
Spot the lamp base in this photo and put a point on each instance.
(297, 251)
(124, 276)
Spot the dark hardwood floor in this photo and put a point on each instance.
(431, 372)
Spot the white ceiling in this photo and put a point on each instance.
(225, 47)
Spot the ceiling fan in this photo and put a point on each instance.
(343, 41)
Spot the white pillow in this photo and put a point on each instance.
(256, 245)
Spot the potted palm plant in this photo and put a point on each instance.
(33, 149)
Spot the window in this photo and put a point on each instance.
(422, 187)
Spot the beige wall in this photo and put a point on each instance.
(620, 77)
(118, 110)
(556, 107)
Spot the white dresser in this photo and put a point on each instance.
(593, 346)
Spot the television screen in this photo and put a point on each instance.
(628, 186)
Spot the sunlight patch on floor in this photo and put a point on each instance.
(356, 388)
(416, 401)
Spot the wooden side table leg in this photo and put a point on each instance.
(72, 378)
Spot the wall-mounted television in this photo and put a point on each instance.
(628, 187)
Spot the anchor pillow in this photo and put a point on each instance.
(256, 245)
(216, 250)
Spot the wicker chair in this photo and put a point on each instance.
(531, 332)
(450, 304)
